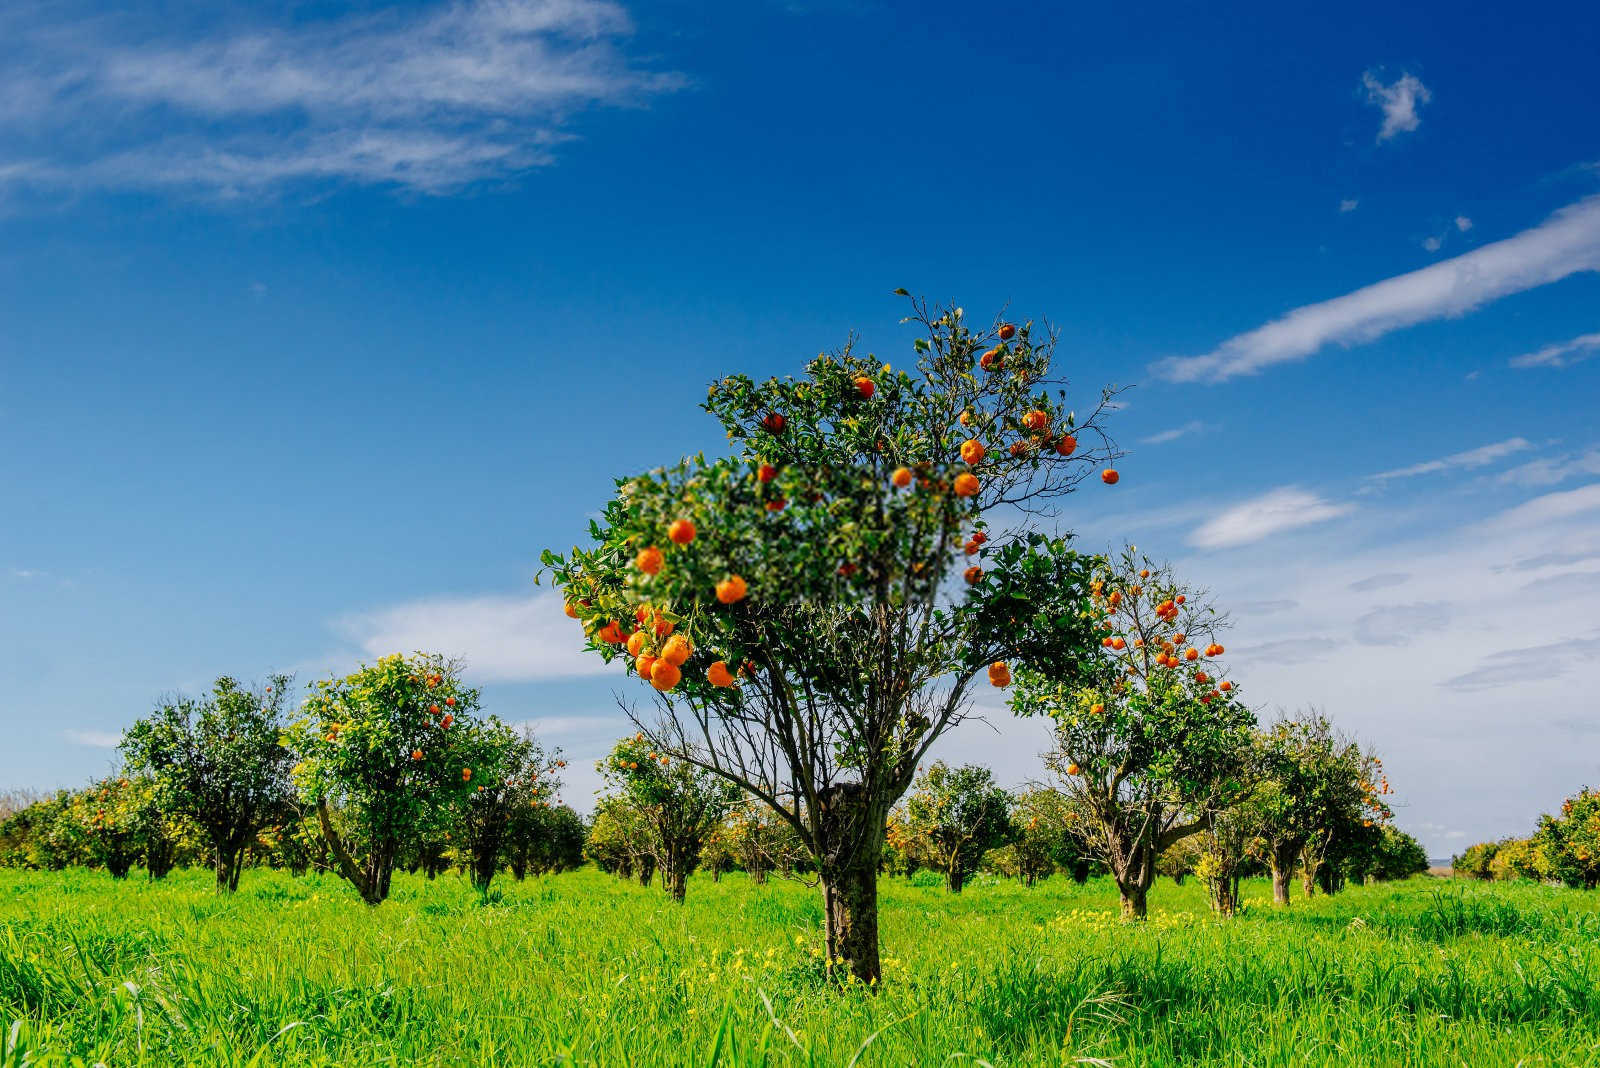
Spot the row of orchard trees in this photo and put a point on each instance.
(393, 765)
(1564, 848)
(814, 608)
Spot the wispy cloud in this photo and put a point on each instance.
(1379, 581)
(1565, 354)
(1463, 224)
(1398, 101)
(1400, 624)
(1482, 456)
(426, 99)
(1552, 470)
(1347, 206)
(1194, 426)
(1513, 667)
(1288, 508)
(501, 638)
(1565, 244)
(93, 739)
(1550, 508)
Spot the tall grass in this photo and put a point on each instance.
(582, 969)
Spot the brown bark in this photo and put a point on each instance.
(851, 901)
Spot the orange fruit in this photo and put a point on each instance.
(1201, 677)
(1067, 445)
(635, 642)
(991, 361)
(1072, 769)
(571, 610)
(663, 626)
(1118, 643)
(1109, 476)
(966, 417)
(999, 674)
(664, 676)
(773, 423)
(777, 504)
(966, 484)
(644, 664)
(970, 547)
(681, 532)
(450, 702)
(1191, 653)
(433, 710)
(865, 386)
(972, 451)
(731, 589)
(466, 774)
(1224, 686)
(677, 650)
(1180, 599)
(1096, 709)
(766, 473)
(649, 560)
(1219, 650)
(973, 575)
(448, 719)
(1036, 420)
(1007, 331)
(1106, 642)
(846, 570)
(979, 537)
(901, 477)
(717, 675)
(416, 754)
(612, 633)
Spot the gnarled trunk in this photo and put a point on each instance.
(850, 898)
(1281, 859)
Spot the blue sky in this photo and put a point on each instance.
(307, 312)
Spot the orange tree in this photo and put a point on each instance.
(1317, 788)
(1148, 737)
(1046, 836)
(960, 814)
(1569, 844)
(512, 777)
(218, 762)
(681, 802)
(836, 582)
(394, 747)
(108, 817)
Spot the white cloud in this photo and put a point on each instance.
(94, 739)
(427, 100)
(1379, 582)
(1551, 470)
(1463, 224)
(1288, 508)
(1433, 244)
(1565, 244)
(1346, 206)
(1565, 354)
(501, 638)
(1399, 102)
(1552, 507)
(1482, 456)
(1194, 426)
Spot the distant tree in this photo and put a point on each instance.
(512, 776)
(1569, 843)
(107, 815)
(1046, 838)
(1180, 860)
(621, 839)
(1148, 739)
(219, 763)
(683, 803)
(391, 747)
(1397, 856)
(961, 814)
(1474, 861)
(43, 835)
(1223, 847)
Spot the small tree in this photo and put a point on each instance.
(108, 816)
(1474, 861)
(513, 776)
(219, 762)
(621, 839)
(391, 746)
(682, 803)
(1148, 739)
(961, 814)
(1224, 844)
(1046, 838)
(809, 570)
(1569, 843)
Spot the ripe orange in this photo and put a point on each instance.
(663, 626)
(731, 589)
(1224, 686)
(774, 423)
(901, 477)
(1106, 642)
(1119, 643)
(677, 650)
(999, 674)
(970, 547)
(466, 774)
(777, 504)
(1115, 598)
(664, 676)
(972, 451)
(611, 633)
(1191, 653)
(433, 710)
(865, 386)
(1096, 709)
(416, 754)
(681, 532)
(1180, 599)
(717, 675)
(1144, 573)
(966, 417)
(1007, 331)
(966, 484)
(636, 642)
(1072, 769)
(644, 664)
(979, 537)
(991, 361)
(766, 473)
(649, 560)
(1018, 448)
(1036, 420)
(448, 719)
(1067, 445)
(450, 702)
(973, 575)
(1201, 677)
(1219, 650)
(1109, 476)
(571, 610)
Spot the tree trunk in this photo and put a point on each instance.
(1135, 901)
(1224, 895)
(647, 870)
(758, 875)
(228, 862)
(1280, 884)
(850, 898)
(954, 879)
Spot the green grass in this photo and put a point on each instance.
(580, 968)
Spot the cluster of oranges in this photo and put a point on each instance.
(1000, 674)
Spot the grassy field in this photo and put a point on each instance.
(580, 968)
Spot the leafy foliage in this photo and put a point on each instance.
(960, 814)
